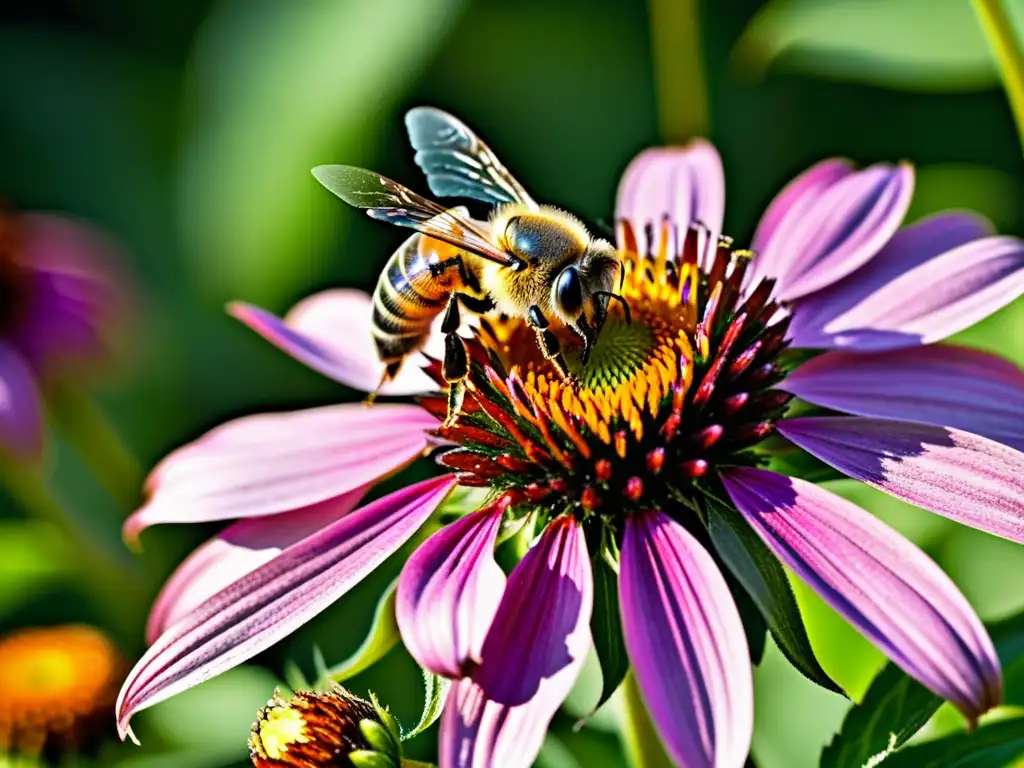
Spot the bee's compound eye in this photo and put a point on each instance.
(569, 292)
(522, 239)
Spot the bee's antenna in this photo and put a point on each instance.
(621, 300)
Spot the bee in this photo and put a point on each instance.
(529, 261)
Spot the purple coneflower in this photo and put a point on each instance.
(672, 416)
(56, 301)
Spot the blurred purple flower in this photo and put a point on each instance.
(938, 426)
(58, 300)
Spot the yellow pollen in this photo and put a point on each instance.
(634, 367)
(281, 727)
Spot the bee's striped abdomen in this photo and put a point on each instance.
(409, 296)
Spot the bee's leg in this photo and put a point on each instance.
(455, 365)
(547, 340)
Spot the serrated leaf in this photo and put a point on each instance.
(755, 567)
(383, 636)
(754, 625)
(606, 628)
(435, 693)
(896, 706)
(918, 45)
(993, 746)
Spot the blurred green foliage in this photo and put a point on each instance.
(188, 129)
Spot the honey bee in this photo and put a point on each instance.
(527, 260)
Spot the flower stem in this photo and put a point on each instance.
(93, 437)
(678, 70)
(643, 747)
(1008, 52)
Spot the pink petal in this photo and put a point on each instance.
(477, 732)
(792, 203)
(940, 385)
(448, 593)
(77, 296)
(21, 418)
(542, 624)
(932, 280)
(271, 463)
(531, 657)
(330, 332)
(884, 585)
(684, 184)
(239, 549)
(964, 477)
(826, 237)
(686, 643)
(266, 605)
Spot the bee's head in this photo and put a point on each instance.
(582, 290)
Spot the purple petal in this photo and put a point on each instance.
(684, 184)
(477, 732)
(881, 583)
(75, 295)
(967, 478)
(271, 463)
(941, 385)
(264, 606)
(932, 280)
(531, 657)
(686, 643)
(331, 333)
(791, 205)
(542, 624)
(448, 593)
(21, 418)
(840, 229)
(239, 549)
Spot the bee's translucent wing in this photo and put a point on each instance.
(389, 201)
(457, 163)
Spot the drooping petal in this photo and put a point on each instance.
(76, 295)
(531, 657)
(884, 585)
(837, 229)
(792, 203)
(21, 418)
(262, 465)
(683, 184)
(686, 643)
(239, 549)
(932, 280)
(542, 624)
(967, 478)
(941, 385)
(330, 332)
(259, 609)
(448, 593)
(477, 732)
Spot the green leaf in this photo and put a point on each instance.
(896, 706)
(606, 628)
(275, 89)
(383, 636)
(435, 693)
(755, 567)
(993, 746)
(754, 626)
(917, 45)
(294, 676)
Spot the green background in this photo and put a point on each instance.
(187, 130)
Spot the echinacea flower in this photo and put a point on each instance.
(670, 421)
(57, 300)
(325, 729)
(56, 688)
